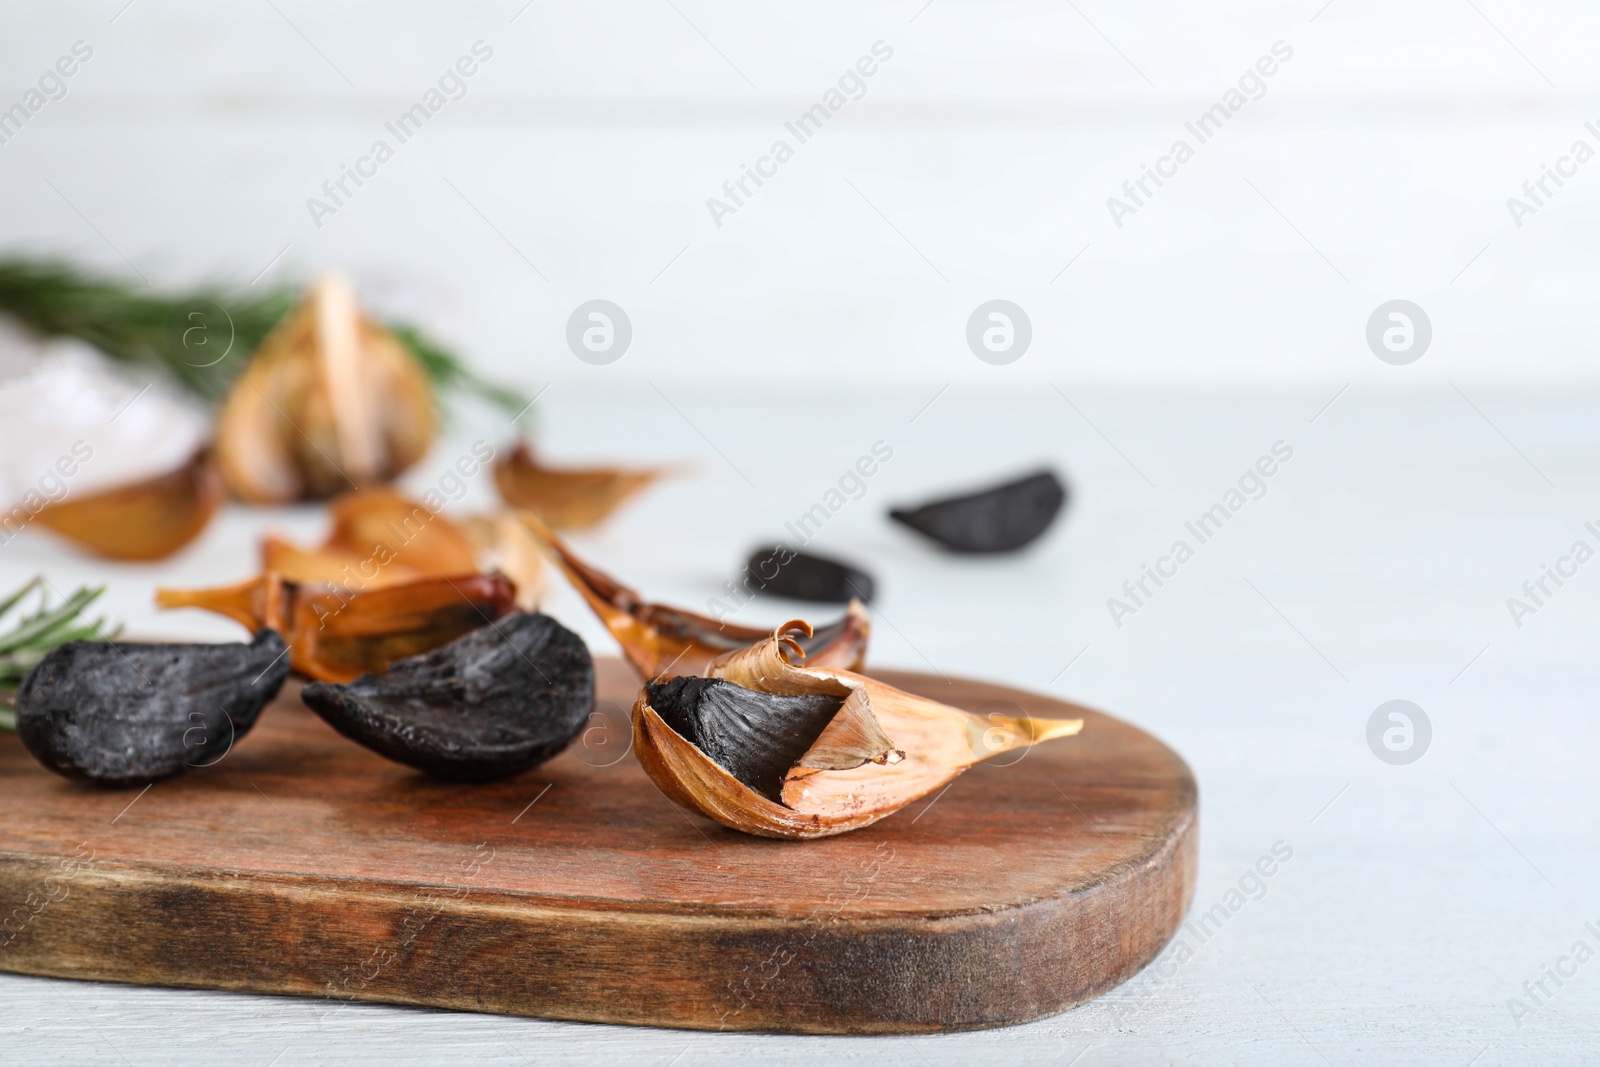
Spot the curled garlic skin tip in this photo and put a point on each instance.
(659, 640)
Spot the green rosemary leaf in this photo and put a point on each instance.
(15, 598)
(448, 372)
(202, 338)
(35, 634)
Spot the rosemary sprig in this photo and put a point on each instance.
(34, 634)
(187, 334)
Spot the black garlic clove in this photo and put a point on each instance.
(756, 737)
(122, 714)
(502, 699)
(1002, 519)
(781, 571)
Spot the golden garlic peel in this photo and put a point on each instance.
(883, 748)
(567, 497)
(379, 537)
(662, 641)
(145, 520)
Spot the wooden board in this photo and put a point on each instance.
(303, 864)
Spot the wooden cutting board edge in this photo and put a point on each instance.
(694, 966)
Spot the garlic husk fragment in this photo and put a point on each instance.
(884, 749)
(567, 497)
(660, 640)
(331, 401)
(147, 520)
(379, 537)
(337, 634)
(511, 549)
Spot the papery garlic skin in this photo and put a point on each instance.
(884, 749)
(662, 641)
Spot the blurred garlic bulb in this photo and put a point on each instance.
(331, 401)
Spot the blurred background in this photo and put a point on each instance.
(1175, 337)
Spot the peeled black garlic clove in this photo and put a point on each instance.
(496, 702)
(756, 737)
(716, 748)
(660, 640)
(781, 571)
(1002, 519)
(120, 714)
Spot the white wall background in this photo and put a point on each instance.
(584, 151)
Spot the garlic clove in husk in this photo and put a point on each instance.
(567, 498)
(379, 537)
(658, 639)
(330, 401)
(878, 749)
(149, 519)
(336, 634)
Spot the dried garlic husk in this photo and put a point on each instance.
(567, 497)
(514, 551)
(331, 401)
(878, 749)
(379, 538)
(336, 634)
(658, 639)
(149, 519)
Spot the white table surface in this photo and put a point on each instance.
(1377, 566)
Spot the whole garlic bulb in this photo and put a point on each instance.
(331, 401)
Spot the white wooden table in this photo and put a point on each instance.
(1169, 355)
(1417, 898)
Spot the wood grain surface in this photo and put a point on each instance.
(303, 864)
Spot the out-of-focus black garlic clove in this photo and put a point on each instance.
(756, 737)
(781, 571)
(122, 714)
(1001, 519)
(502, 699)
